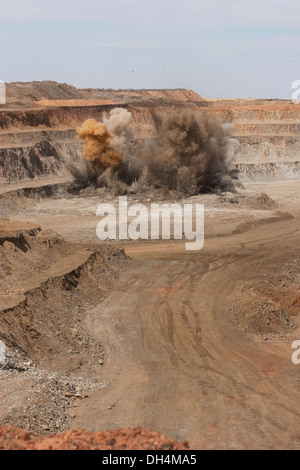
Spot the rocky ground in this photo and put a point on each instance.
(101, 336)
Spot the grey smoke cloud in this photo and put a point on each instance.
(191, 154)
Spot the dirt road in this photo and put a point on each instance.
(176, 361)
(166, 342)
(170, 355)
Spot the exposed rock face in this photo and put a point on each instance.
(37, 127)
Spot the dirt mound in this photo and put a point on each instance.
(15, 199)
(41, 401)
(121, 439)
(30, 257)
(47, 286)
(250, 201)
(258, 315)
(272, 307)
(40, 270)
(21, 93)
(255, 222)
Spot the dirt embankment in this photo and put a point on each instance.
(51, 361)
(268, 309)
(21, 94)
(38, 271)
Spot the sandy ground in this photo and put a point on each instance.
(187, 370)
(175, 360)
(194, 345)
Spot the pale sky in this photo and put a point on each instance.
(218, 48)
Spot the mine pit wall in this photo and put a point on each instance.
(56, 117)
(269, 137)
(34, 142)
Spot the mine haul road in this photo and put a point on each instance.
(177, 363)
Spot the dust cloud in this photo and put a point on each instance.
(97, 148)
(190, 154)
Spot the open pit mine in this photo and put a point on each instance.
(128, 341)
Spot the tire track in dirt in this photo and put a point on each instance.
(176, 362)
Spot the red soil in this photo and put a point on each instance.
(121, 439)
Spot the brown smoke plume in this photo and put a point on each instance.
(97, 148)
(191, 154)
